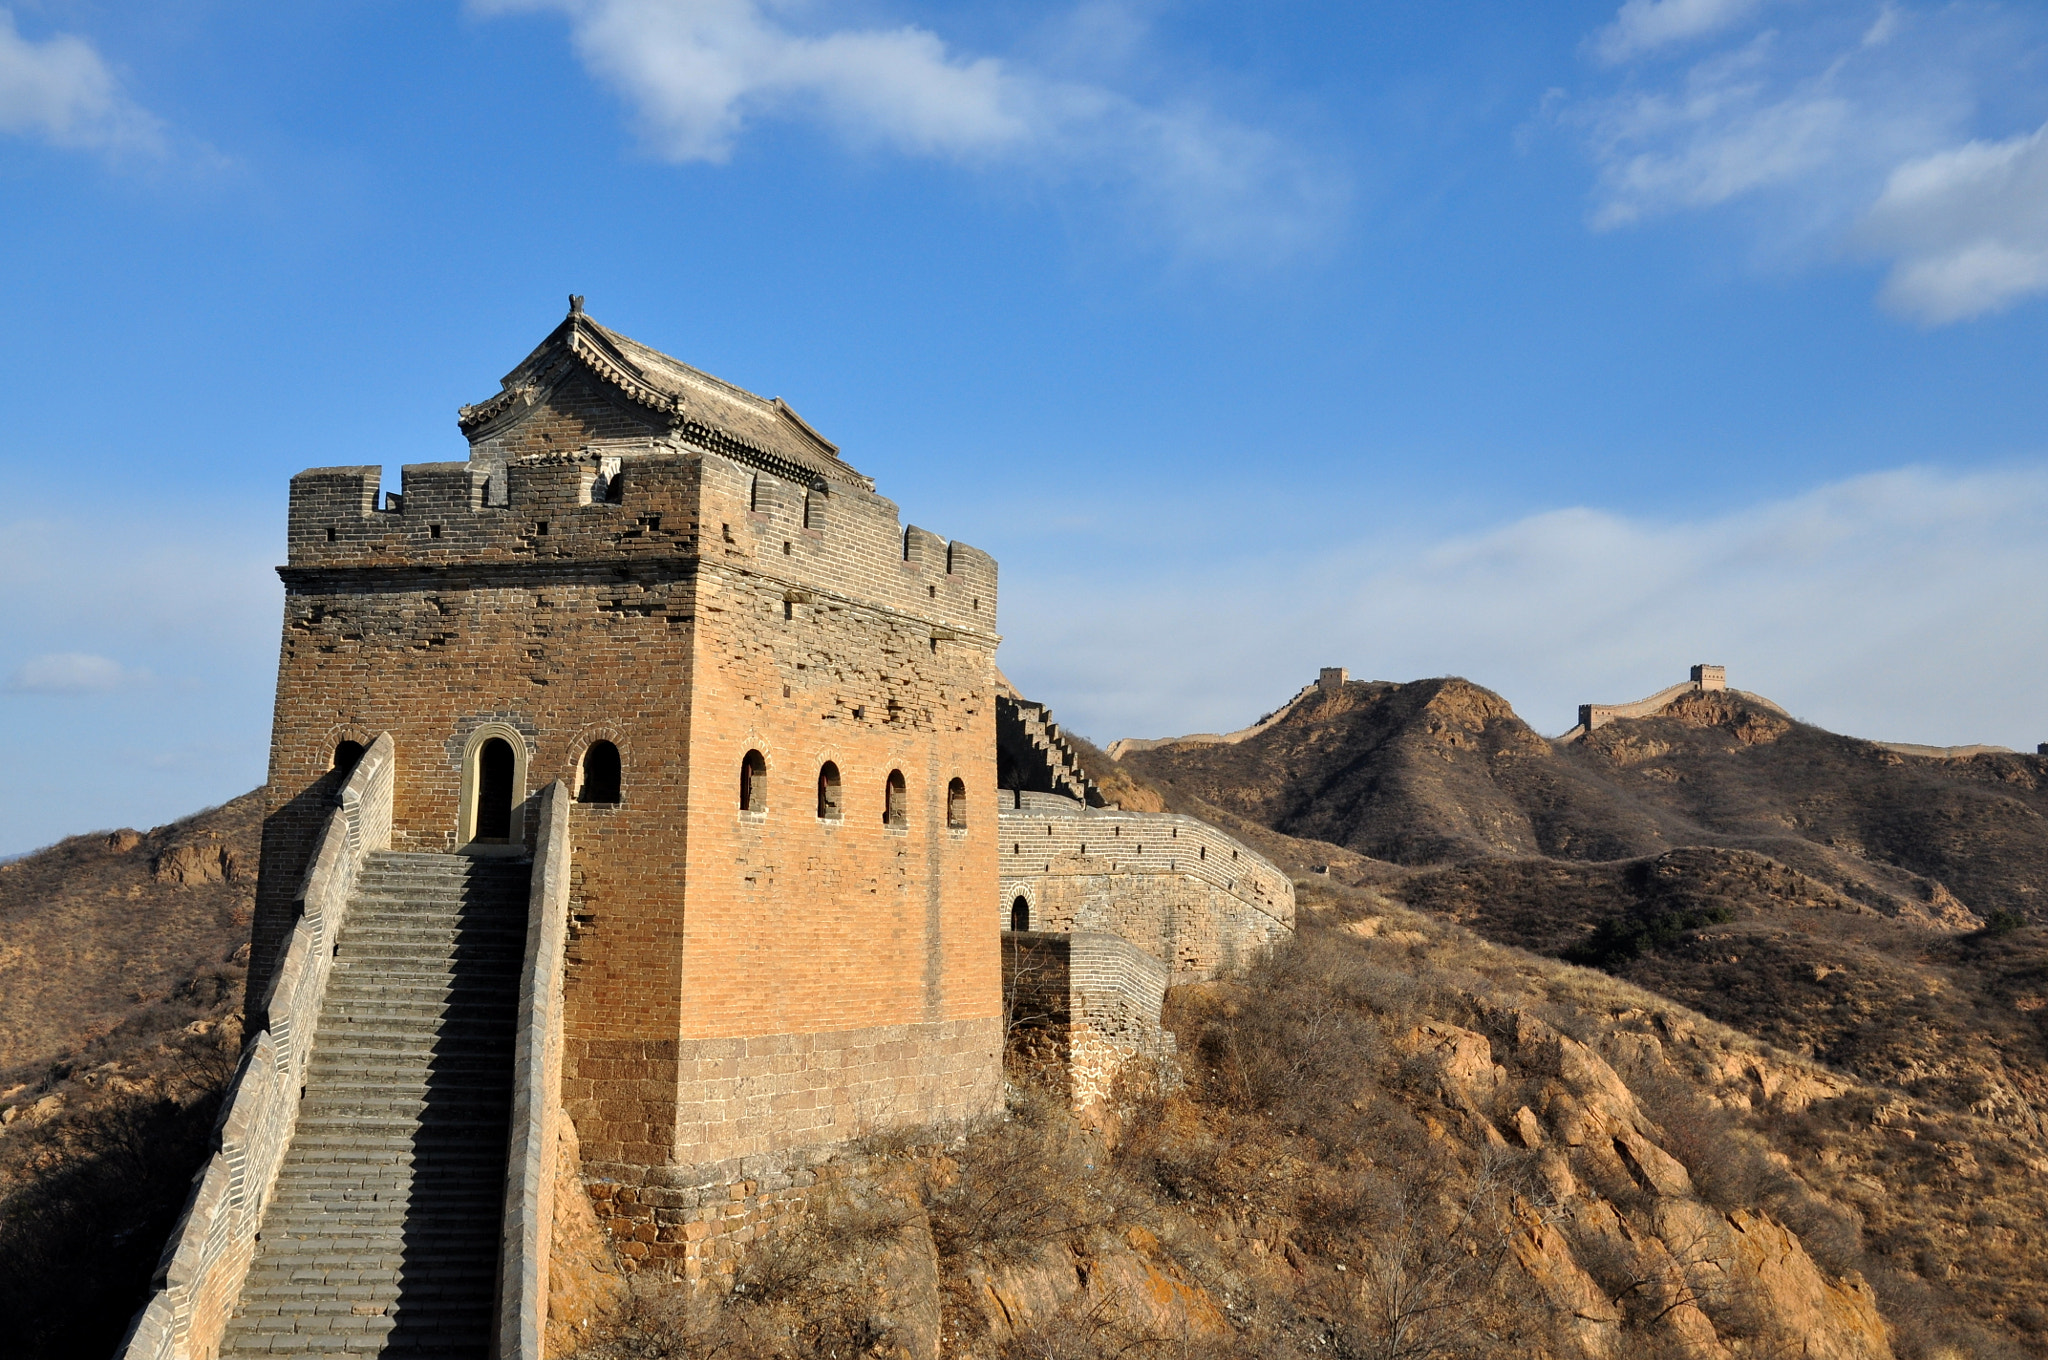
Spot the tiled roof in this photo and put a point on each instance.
(698, 408)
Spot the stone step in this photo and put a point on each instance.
(429, 941)
(496, 966)
(417, 900)
(428, 1011)
(382, 1233)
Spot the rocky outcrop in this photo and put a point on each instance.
(1121, 1280)
(585, 1285)
(207, 860)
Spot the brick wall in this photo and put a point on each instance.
(1187, 894)
(1094, 998)
(744, 988)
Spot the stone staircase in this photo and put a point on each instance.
(382, 1233)
(1039, 759)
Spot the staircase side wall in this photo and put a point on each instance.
(536, 1093)
(200, 1275)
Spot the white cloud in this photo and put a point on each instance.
(1644, 26)
(61, 90)
(1968, 229)
(1837, 136)
(72, 673)
(1909, 605)
(697, 73)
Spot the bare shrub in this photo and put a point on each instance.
(1031, 1178)
(1433, 1278)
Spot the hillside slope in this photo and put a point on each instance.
(1822, 892)
(121, 985)
(1396, 1139)
(1441, 771)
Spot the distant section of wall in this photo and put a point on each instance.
(1907, 748)
(1332, 677)
(1592, 717)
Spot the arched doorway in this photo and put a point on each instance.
(1020, 913)
(494, 777)
(346, 755)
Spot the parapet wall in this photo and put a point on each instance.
(200, 1275)
(835, 540)
(1181, 890)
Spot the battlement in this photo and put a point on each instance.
(575, 513)
(1704, 677)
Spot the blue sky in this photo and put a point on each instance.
(1558, 346)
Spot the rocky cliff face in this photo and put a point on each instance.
(1395, 1138)
(1864, 912)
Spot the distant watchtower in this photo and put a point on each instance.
(776, 706)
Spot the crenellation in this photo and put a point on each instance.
(682, 509)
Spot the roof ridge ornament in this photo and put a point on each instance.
(575, 304)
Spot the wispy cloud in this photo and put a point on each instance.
(1648, 25)
(1848, 126)
(1967, 228)
(1905, 605)
(61, 90)
(698, 73)
(72, 673)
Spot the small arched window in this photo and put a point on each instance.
(896, 801)
(346, 754)
(956, 805)
(829, 806)
(754, 783)
(1020, 914)
(601, 774)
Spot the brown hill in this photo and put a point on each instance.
(1822, 892)
(1442, 771)
(120, 1023)
(1395, 1139)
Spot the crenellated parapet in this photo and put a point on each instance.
(592, 512)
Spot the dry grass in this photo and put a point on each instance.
(120, 1025)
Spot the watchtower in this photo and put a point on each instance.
(775, 704)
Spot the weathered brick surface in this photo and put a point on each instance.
(1197, 900)
(1094, 998)
(741, 985)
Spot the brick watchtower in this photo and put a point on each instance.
(776, 705)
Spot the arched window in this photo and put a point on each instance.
(896, 801)
(829, 806)
(601, 774)
(1020, 914)
(494, 767)
(754, 783)
(346, 754)
(956, 805)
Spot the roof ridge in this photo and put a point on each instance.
(684, 395)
